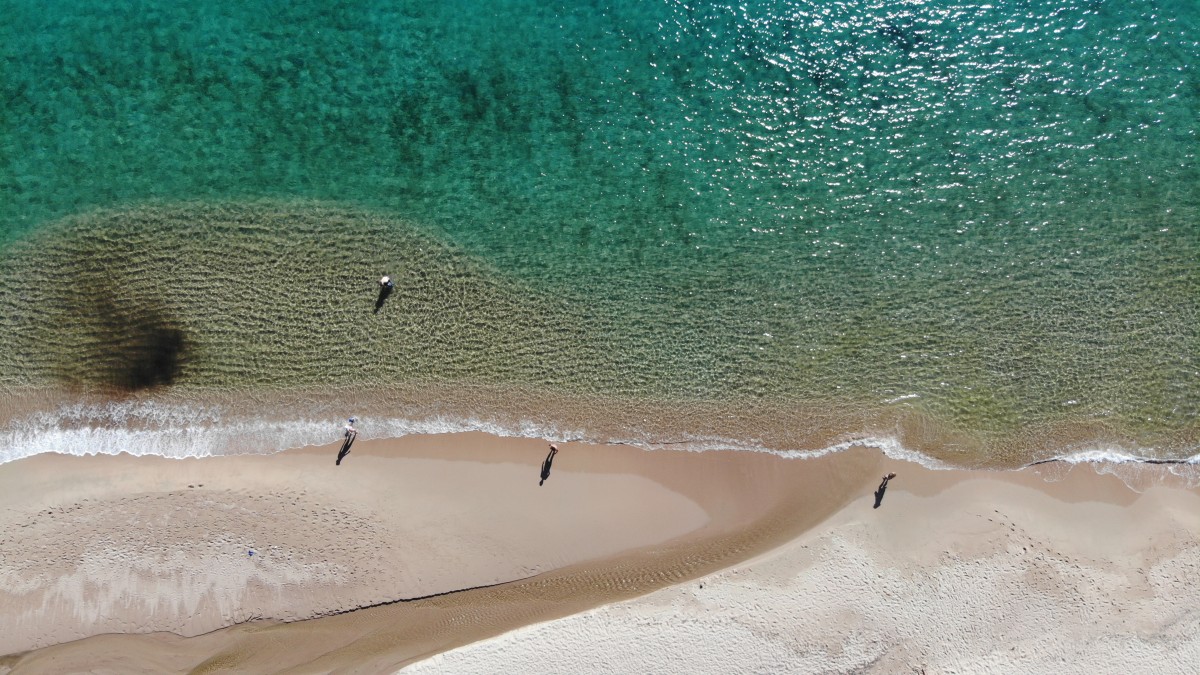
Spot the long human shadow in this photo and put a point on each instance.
(345, 448)
(882, 489)
(547, 464)
(384, 293)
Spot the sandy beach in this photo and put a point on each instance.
(114, 545)
(956, 572)
(443, 554)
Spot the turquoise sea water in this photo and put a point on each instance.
(971, 227)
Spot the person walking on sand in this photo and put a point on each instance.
(548, 461)
(351, 434)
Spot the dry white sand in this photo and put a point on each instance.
(957, 572)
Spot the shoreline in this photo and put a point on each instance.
(191, 425)
(754, 506)
(602, 369)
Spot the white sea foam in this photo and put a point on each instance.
(182, 430)
(1117, 456)
(1108, 460)
(1136, 467)
(889, 445)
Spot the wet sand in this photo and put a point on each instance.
(624, 559)
(159, 549)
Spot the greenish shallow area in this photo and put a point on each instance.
(277, 297)
(988, 213)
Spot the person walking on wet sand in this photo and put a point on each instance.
(351, 434)
(546, 464)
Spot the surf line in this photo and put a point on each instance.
(1131, 460)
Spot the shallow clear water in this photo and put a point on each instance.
(971, 226)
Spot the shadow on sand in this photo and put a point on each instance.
(882, 489)
(345, 448)
(547, 464)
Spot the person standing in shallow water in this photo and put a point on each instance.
(351, 434)
(386, 286)
(548, 461)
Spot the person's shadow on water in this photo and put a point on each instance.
(384, 292)
(547, 463)
(882, 489)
